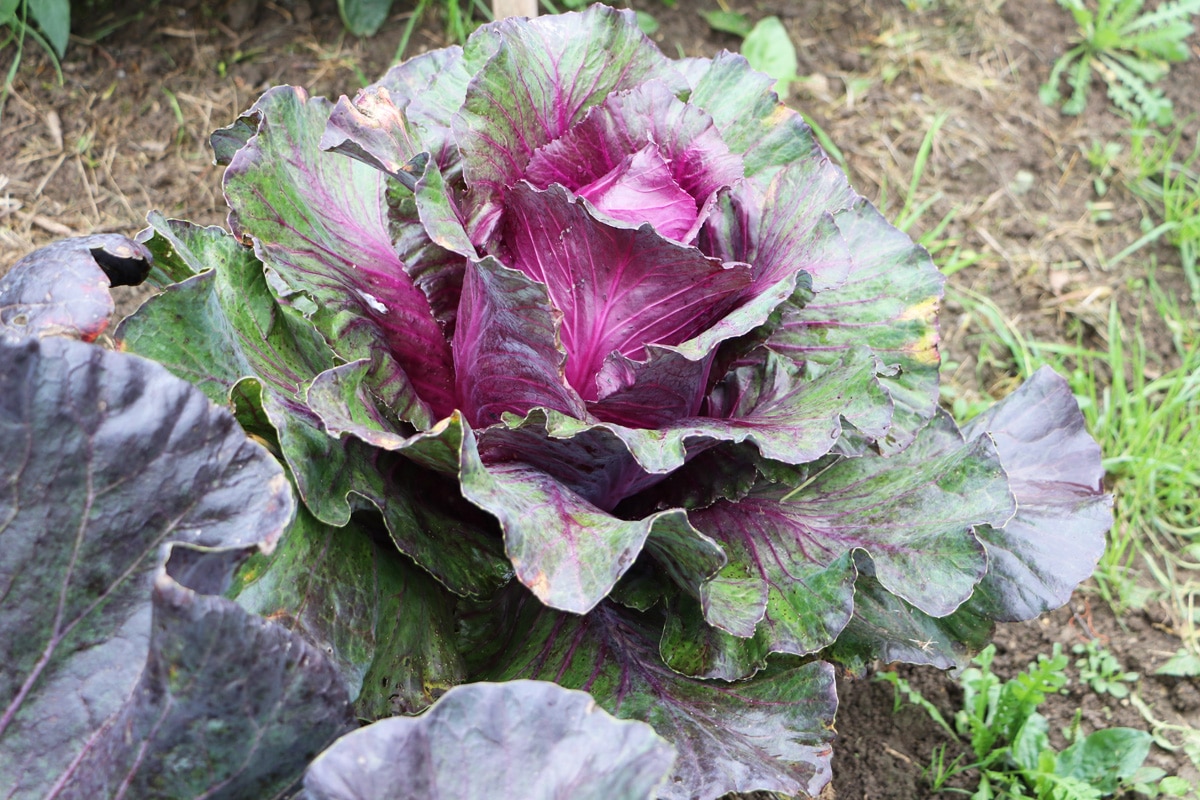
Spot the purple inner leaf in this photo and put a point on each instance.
(641, 189)
(506, 353)
(618, 289)
(536, 87)
(628, 124)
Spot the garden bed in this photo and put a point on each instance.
(127, 132)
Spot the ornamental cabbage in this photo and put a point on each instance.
(587, 365)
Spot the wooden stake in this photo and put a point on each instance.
(514, 8)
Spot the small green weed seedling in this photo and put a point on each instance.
(1010, 739)
(1101, 670)
(1170, 185)
(17, 22)
(1101, 156)
(1131, 50)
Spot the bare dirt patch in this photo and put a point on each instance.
(126, 132)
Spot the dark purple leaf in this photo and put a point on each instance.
(730, 230)
(591, 460)
(107, 459)
(1052, 545)
(525, 739)
(769, 733)
(665, 388)
(62, 289)
(229, 704)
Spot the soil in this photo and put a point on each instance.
(126, 132)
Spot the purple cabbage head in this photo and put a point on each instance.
(558, 308)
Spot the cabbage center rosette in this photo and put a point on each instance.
(553, 305)
(602, 263)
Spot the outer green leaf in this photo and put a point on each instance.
(107, 458)
(797, 229)
(526, 739)
(375, 129)
(569, 552)
(546, 492)
(424, 512)
(543, 80)
(748, 114)
(886, 628)
(429, 89)
(221, 324)
(769, 733)
(691, 646)
(226, 141)
(229, 704)
(320, 223)
(384, 623)
(912, 513)
(62, 289)
(934, 494)
(888, 303)
(340, 398)
(792, 418)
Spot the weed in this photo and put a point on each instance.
(1010, 739)
(1102, 157)
(1101, 670)
(17, 19)
(766, 44)
(1129, 49)
(1171, 187)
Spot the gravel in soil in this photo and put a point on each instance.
(126, 132)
